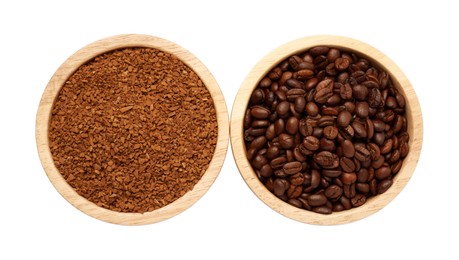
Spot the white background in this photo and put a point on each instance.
(229, 222)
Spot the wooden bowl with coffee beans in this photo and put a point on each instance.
(132, 129)
(326, 130)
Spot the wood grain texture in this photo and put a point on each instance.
(415, 129)
(68, 68)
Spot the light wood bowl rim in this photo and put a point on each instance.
(415, 129)
(68, 68)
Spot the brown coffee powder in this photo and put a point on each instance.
(133, 130)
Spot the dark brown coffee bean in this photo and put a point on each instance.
(260, 112)
(258, 97)
(378, 162)
(300, 104)
(318, 50)
(294, 191)
(294, 93)
(322, 210)
(273, 152)
(265, 83)
(279, 187)
(345, 202)
(374, 97)
(278, 162)
(382, 173)
(315, 179)
(311, 143)
(283, 108)
(344, 118)
(400, 100)
(333, 191)
(349, 190)
(324, 91)
(295, 203)
(292, 125)
(362, 175)
(327, 145)
(297, 179)
(258, 142)
(342, 64)
(312, 109)
(347, 132)
(331, 173)
(395, 168)
(294, 62)
(258, 161)
(286, 141)
(361, 109)
(338, 207)
(379, 139)
(325, 121)
(348, 148)
(304, 74)
(361, 153)
(391, 102)
(295, 84)
(326, 160)
(345, 92)
(398, 123)
(260, 123)
(358, 200)
(359, 92)
(404, 149)
(363, 188)
(292, 167)
(348, 177)
(359, 129)
(329, 111)
(330, 132)
(384, 185)
(387, 147)
(266, 171)
(347, 165)
(317, 200)
(394, 156)
(379, 125)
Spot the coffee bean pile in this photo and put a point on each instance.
(325, 130)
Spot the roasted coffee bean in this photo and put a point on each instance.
(258, 97)
(278, 162)
(295, 203)
(378, 162)
(400, 100)
(300, 104)
(359, 129)
(329, 111)
(347, 165)
(294, 191)
(379, 125)
(325, 121)
(327, 145)
(286, 141)
(384, 185)
(294, 93)
(379, 138)
(273, 152)
(311, 143)
(349, 190)
(362, 175)
(283, 108)
(370, 128)
(292, 125)
(260, 112)
(348, 148)
(317, 200)
(374, 97)
(279, 187)
(348, 177)
(297, 179)
(361, 153)
(294, 62)
(331, 173)
(258, 142)
(347, 132)
(260, 123)
(258, 161)
(363, 188)
(324, 91)
(333, 191)
(382, 173)
(358, 200)
(359, 92)
(330, 132)
(361, 109)
(292, 167)
(266, 171)
(326, 160)
(344, 118)
(322, 210)
(345, 92)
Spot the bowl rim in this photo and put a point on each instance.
(84, 55)
(400, 81)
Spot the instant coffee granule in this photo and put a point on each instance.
(133, 130)
(325, 130)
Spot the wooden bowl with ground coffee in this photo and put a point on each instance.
(326, 130)
(132, 129)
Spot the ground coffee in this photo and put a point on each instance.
(133, 130)
(325, 130)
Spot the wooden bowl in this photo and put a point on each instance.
(68, 68)
(413, 113)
